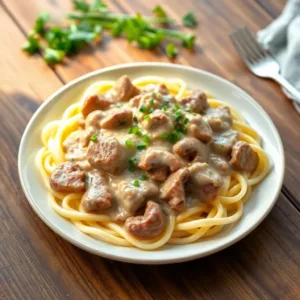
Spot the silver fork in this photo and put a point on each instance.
(260, 61)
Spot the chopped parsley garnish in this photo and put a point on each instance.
(141, 146)
(143, 177)
(151, 110)
(93, 138)
(146, 117)
(166, 99)
(151, 101)
(178, 115)
(175, 136)
(143, 109)
(119, 105)
(165, 135)
(132, 164)
(185, 121)
(176, 106)
(135, 119)
(129, 144)
(136, 183)
(88, 21)
(146, 139)
(189, 20)
(164, 107)
(171, 50)
(134, 130)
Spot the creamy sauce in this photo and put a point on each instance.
(135, 185)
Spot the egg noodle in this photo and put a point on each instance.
(203, 220)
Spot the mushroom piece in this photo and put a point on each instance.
(116, 119)
(148, 226)
(198, 128)
(204, 182)
(191, 149)
(173, 189)
(97, 197)
(107, 155)
(94, 102)
(243, 157)
(158, 163)
(124, 89)
(197, 101)
(67, 178)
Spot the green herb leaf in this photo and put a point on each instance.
(53, 56)
(134, 130)
(93, 138)
(159, 12)
(175, 136)
(171, 50)
(129, 144)
(81, 5)
(164, 107)
(178, 115)
(151, 101)
(146, 139)
(141, 146)
(189, 20)
(98, 5)
(143, 109)
(118, 28)
(165, 135)
(143, 177)
(151, 110)
(39, 26)
(119, 105)
(188, 41)
(136, 183)
(32, 45)
(146, 117)
(132, 164)
(185, 121)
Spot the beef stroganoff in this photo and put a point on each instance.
(150, 162)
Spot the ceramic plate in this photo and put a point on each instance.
(256, 209)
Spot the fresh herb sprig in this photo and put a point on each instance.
(87, 22)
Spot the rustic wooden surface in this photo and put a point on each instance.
(35, 263)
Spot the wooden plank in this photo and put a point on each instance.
(274, 8)
(35, 263)
(214, 52)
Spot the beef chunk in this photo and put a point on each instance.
(97, 197)
(173, 189)
(125, 90)
(148, 226)
(67, 178)
(243, 157)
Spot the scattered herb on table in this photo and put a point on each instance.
(85, 26)
(189, 20)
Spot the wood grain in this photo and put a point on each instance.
(35, 263)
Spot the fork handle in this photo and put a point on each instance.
(294, 92)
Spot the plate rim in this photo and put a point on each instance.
(132, 259)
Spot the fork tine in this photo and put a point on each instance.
(253, 44)
(240, 47)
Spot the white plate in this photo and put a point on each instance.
(258, 206)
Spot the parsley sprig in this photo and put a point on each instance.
(87, 22)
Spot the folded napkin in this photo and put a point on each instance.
(282, 38)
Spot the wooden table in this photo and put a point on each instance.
(35, 263)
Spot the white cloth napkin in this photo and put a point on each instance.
(282, 38)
